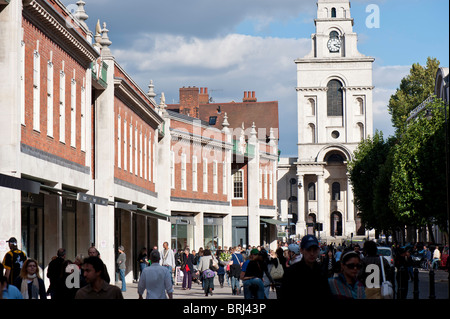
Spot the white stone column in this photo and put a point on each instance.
(321, 204)
(253, 191)
(10, 119)
(350, 218)
(198, 231)
(301, 223)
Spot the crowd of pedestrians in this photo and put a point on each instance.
(306, 270)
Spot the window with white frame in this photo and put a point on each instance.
(270, 185)
(50, 98)
(194, 173)
(36, 90)
(238, 184)
(265, 184)
(260, 183)
(119, 142)
(125, 146)
(145, 146)
(136, 151)
(205, 175)
(150, 154)
(131, 147)
(183, 171)
(172, 169)
(83, 119)
(22, 82)
(73, 112)
(62, 107)
(141, 159)
(224, 178)
(215, 178)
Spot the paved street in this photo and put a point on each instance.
(441, 289)
(195, 293)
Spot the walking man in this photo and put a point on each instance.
(13, 261)
(155, 279)
(168, 259)
(97, 287)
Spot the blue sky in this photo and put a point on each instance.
(250, 45)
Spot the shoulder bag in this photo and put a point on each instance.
(387, 291)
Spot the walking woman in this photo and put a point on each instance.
(206, 273)
(29, 283)
(187, 267)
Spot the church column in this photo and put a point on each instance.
(301, 224)
(350, 222)
(321, 203)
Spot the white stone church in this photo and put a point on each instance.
(334, 109)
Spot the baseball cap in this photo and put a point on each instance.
(294, 248)
(308, 241)
(254, 252)
(12, 240)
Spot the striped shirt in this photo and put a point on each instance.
(341, 289)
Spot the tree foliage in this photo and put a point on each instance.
(414, 89)
(418, 182)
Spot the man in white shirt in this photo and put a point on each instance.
(156, 279)
(436, 257)
(168, 259)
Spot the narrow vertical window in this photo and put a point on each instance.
(336, 191)
(83, 119)
(145, 161)
(22, 82)
(125, 146)
(311, 191)
(150, 154)
(73, 112)
(50, 98)
(224, 178)
(136, 151)
(215, 178)
(183, 171)
(194, 173)
(36, 90)
(62, 107)
(141, 159)
(131, 148)
(172, 169)
(333, 12)
(238, 185)
(260, 184)
(265, 184)
(205, 175)
(119, 142)
(270, 185)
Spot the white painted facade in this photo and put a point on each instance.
(330, 126)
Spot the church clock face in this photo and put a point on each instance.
(334, 45)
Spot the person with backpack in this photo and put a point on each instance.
(13, 261)
(276, 268)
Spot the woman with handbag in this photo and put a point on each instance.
(204, 268)
(187, 267)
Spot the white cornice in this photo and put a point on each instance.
(52, 22)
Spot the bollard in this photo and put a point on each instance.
(432, 290)
(416, 283)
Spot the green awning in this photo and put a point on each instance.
(153, 213)
(273, 221)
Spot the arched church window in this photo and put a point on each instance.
(334, 98)
(312, 106)
(312, 132)
(333, 12)
(360, 105)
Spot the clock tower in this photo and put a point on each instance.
(334, 109)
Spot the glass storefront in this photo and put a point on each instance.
(182, 232)
(32, 219)
(212, 233)
(69, 227)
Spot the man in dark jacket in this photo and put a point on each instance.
(305, 279)
(54, 273)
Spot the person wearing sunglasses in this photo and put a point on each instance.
(346, 285)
